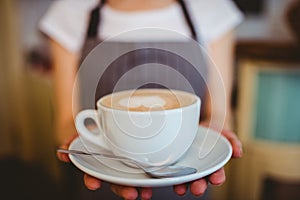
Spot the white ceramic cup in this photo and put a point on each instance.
(153, 137)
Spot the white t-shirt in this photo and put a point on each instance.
(66, 21)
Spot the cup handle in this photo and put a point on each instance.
(85, 132)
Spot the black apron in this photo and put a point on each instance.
(112, 66)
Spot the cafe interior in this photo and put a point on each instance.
(265, 104)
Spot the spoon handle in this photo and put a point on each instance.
(114, 157)
(78, 152)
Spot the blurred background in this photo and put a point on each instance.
(266, 101)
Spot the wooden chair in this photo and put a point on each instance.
(268, 123)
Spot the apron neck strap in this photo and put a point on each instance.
(188, 19)
(95, 19)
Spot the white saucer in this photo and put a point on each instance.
(209, 152)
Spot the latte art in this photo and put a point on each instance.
(147, 100)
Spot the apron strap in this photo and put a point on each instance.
(188, 19)
(95, 19)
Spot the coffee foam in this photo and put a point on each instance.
(147, 100)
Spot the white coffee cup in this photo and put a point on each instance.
(153, 126)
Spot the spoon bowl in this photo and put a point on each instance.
(168, 171)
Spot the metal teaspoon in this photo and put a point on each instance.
(168, 171)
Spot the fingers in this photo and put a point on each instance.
(237, 150)
(128, 193)
(198, 187)
(146, 193)
(63, 156)
(180, 189)
(131, 193)
(91, 182)
(218, 177)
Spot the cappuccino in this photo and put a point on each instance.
(128, 128)
(143, 100)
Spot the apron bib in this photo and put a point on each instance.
(110, 66)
